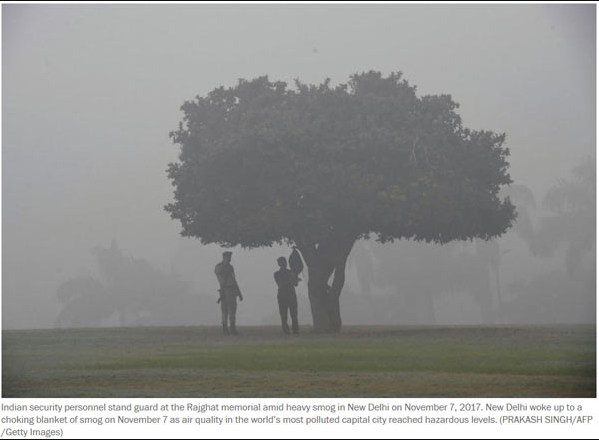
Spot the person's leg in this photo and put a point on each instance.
(283, 312)
(224, 309)
(232, 314)
(293, 312)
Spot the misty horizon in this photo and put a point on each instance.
(91, 93)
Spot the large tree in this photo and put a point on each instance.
(319, 167)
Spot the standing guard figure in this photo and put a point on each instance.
(228, 292)
(286, 281)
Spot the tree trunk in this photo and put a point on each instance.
(499, 296)
(319, 301)
(324, 260)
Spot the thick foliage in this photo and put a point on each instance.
(262, 163)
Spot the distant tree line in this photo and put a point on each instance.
(129, 290)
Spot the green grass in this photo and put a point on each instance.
(558, 361)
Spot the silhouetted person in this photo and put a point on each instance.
(286, 296)
(229, 291)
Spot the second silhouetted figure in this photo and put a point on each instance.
(286, 296)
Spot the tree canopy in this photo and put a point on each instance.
(263, 163)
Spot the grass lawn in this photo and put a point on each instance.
(556, 361)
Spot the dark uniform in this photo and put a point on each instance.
(287, 298)
(229, 291)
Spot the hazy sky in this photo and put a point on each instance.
(90, 93)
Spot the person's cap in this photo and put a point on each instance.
(227, 253)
